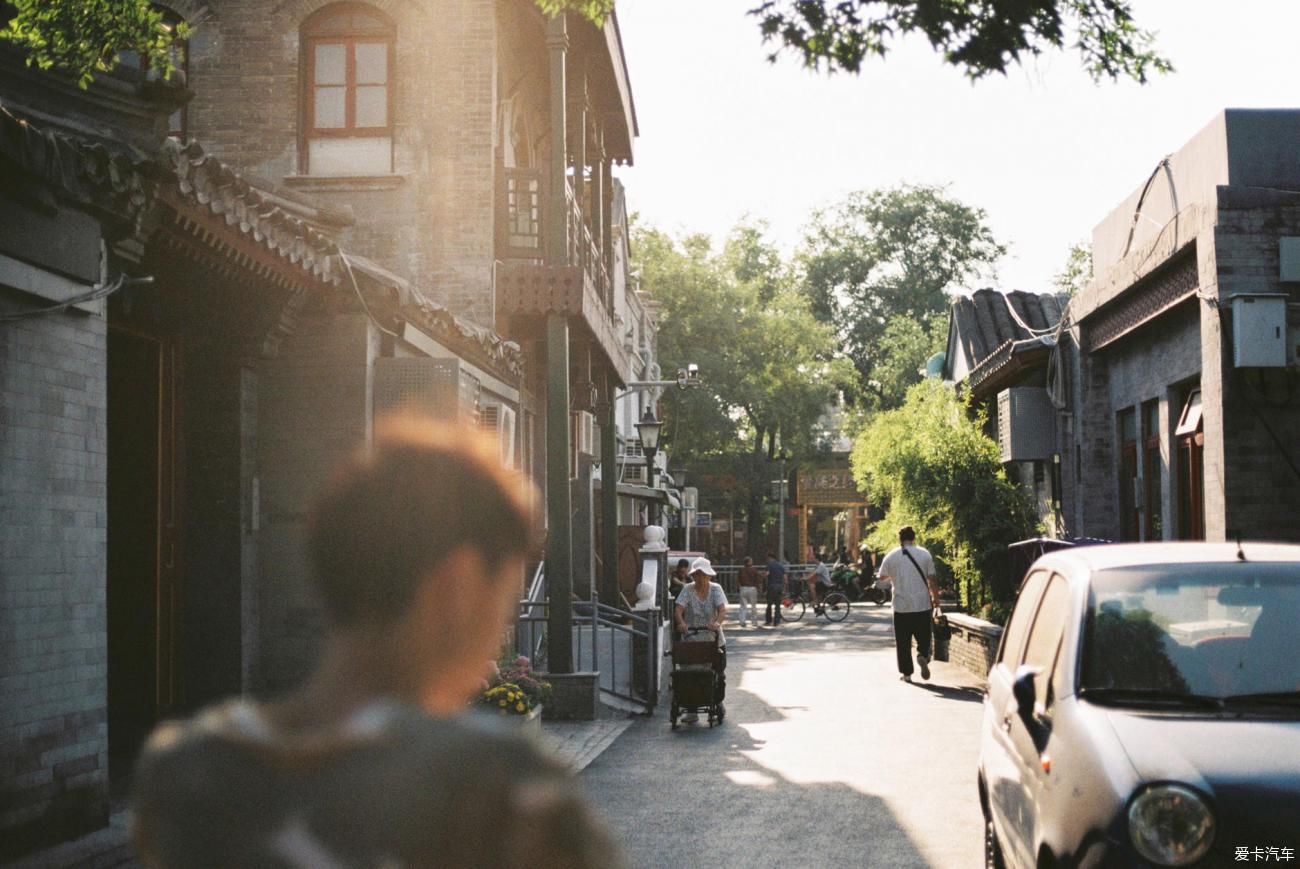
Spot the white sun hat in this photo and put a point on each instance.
(702, 565)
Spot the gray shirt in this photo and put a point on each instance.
(700, 612)
(390, 786)
(911, 590)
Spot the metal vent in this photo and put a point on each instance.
(438, 387)
(1026, 424)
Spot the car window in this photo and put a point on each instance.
(1013, 641)
(1045, 635)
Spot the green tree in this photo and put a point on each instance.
(909, 343)
(1077, 271)
(768, 365)
(931, 466)
(979, 37)
(887, 254)
(83, 37)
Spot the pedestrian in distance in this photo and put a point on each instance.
(748, 581)
(418, 550)
(819, 582)
(702, 605)
(916, 594)
(775, 590)
(679, 578)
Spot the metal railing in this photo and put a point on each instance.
(729, 575)
(622, 646)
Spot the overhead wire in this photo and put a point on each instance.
(93, 295)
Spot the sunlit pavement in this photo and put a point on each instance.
(825, 759)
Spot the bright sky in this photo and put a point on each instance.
(1044, 151)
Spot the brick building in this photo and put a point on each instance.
(1184, 395)
(376, 215)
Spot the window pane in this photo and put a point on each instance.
(329, 109)
(1023, 614)
(1045, 638)
(372, 106)
(372, 62)
(331, 63)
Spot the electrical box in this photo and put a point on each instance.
(1026, 424)
(1259, 330)
(1288, 259)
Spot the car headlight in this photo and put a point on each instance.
(1170, 825)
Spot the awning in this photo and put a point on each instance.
(645, 493)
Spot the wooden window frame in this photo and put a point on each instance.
(1190, 464)
(349, 130)
(1129, 507)
(1153, 504)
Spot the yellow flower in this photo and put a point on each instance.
(501, 703)
(519, 707)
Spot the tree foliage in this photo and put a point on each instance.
(83, 37)
(768, 365)
(1077, 271)
(886, 255)
(931, 465)
(979, 37)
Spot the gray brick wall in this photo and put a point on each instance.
(1258, 492)
(972, 643)
(53, 640)
(314, 406)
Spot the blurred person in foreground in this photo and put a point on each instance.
(418, 549)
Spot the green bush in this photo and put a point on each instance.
(930, 465)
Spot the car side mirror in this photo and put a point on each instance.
(1025, 692)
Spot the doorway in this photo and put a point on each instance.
(142, 555)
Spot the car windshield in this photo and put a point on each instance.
(1209, 630)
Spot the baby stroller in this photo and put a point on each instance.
(695, 681)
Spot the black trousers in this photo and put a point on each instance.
(773, 616)
(907, 626)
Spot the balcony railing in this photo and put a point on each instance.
(521, 227)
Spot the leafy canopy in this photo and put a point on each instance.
(885, 257)
(979, 37)
(83, 37)
(931, 465)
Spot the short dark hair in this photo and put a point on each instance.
(682, 562)
(906, 533)
(772, 556)
(398, 509)
(748, 560)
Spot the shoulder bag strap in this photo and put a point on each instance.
(924, 578)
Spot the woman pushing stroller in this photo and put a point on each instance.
(702, 605)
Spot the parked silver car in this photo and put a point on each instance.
(1145, 709)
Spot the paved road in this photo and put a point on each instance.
(825, 760)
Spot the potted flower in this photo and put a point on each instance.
(512, 689)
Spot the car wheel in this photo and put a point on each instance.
(992, 850)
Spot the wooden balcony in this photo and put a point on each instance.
(528, 289)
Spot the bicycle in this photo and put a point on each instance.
(834, 605)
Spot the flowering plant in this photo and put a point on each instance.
(512, 688)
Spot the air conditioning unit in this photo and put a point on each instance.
(438, 387)
(500, 419)
(1026, 424)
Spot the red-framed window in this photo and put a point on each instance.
(1129, 502)
(348, 90)
(1152, 473)
(1189, 441)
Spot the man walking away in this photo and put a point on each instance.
(748, 592)
(916, 593)
(775, 589)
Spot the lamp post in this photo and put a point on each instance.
(648, 430)
(780, 517)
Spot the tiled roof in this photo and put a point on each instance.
(218, 206)
(984, 324)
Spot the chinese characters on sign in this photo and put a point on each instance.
(829, 486)
(1265, 854)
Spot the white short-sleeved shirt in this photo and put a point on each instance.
(911, 590)
(700, 612)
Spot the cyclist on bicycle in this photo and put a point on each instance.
(819, 582)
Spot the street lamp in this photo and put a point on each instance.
(648, 430)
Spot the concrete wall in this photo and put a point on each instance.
(1238, 147)
(314, 406)
(53, 538)
(431, 219)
